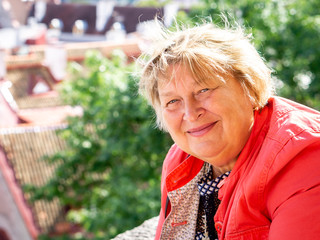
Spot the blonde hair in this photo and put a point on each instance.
(210, 53)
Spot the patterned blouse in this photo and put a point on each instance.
(208, 205)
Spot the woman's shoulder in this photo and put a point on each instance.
(292, 145)
(292, 139)
(294, 129)
(290, 119)
(288, 160)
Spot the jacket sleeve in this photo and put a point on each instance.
(298, 218)
(294, 197)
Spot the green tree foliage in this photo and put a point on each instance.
(110, 172)
(286, 33)
(151, 3)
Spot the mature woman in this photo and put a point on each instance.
(245, 164)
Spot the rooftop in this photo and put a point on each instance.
(24, 149)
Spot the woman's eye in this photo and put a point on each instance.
(172, 101)
(204, 90)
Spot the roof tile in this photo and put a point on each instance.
(25, 148)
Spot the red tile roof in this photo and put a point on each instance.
(24, 148)
(24, 79)
(48, 115)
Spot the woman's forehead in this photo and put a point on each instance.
(178, 73)
(175, 75)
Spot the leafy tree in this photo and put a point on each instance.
(109, 175)
(286, 33)
(151, 3)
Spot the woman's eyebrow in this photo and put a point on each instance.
(167, 94)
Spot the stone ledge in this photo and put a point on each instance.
(146, 231)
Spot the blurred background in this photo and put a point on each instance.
(80, 157)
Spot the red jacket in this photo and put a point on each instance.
(273, 192)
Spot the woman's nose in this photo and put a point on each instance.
(192, 111)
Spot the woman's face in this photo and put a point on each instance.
(212, 123)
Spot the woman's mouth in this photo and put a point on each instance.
(202, 130)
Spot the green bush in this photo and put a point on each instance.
(109, 175)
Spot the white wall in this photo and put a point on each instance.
(10, 219)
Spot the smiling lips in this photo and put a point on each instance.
(202, 130)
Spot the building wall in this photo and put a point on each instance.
(11, 221)
(8, 117)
